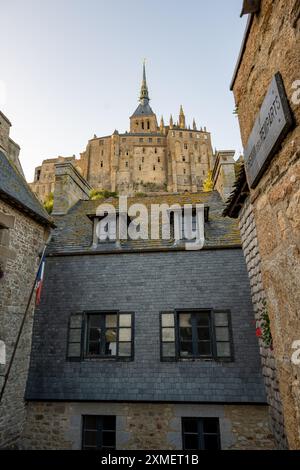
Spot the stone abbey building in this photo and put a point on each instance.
(148, 158)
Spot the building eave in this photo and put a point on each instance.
(242, 50)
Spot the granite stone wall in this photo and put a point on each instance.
(253, 261)
(273, 46)
(25, 241)
(144, 426)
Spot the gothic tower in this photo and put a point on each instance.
(143, 119)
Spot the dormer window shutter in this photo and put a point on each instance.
(75, 335)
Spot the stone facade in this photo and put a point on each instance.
(26, 239)
(44, 176)
(24, 229)
(148, 158)
(273, 39)
(10, 148)
(253, 261)
(144, 426)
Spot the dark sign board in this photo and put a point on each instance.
(271, 127)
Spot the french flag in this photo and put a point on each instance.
(39, 281)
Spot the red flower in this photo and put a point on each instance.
(258, 332)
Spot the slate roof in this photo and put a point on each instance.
(143, 109)
(74, 232)
(14, 188)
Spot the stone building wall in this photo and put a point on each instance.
(44, 177)
(175, 160)
(4, 132)
(253, 261)
(144, 426)
(273, 46)
(26, 240)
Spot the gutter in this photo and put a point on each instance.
(242, 50)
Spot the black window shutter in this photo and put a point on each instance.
(223, 335)
(168, 335)
(74, 346)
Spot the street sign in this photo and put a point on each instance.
(271, 127)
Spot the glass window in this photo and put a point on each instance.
(98, 432)
(109, 335)
(201, 434)
(196, 334)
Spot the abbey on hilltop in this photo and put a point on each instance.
(148, 158)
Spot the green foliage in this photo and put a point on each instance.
(96, 194)
(48, 202)
(236, 111)
(208, 184)
(264, 319)
(140, 194)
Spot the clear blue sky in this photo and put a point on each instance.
(72, 68)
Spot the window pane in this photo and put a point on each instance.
(190, 425)
(222, 333)
(90, 422)
(125, 334)
(185, 319)
(75, 321)
(191, 442)
(168, 349)
(186, 334)
(211, 425)
(221, 319)
(110, 321)
(108, 439)
(204, 348)
(124, 349)
(75, 336)
(90, 438)
(186, 348)
(109, 423)
(111, 349)
(223, 349)
(202, 319)
(167, 319)
(125, 319)
(111, 335)
(203, 333)
(211, 442)
(95, 320)
(168, 334)
(94, 334)
(94, 348)
(74, 350)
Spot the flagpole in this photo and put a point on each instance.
(6, 376)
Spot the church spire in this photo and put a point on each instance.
(181, 118)
(162, 125)
(144, 96)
